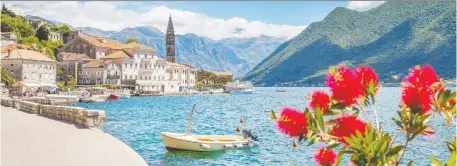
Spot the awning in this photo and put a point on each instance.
(148, 84)
(26, 84)
(48, 85)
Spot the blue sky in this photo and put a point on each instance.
(216, 19)
(273, 12)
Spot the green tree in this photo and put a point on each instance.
(7, 77)
(71, 83)
(64, 30)
(42, 33)
(131, 40)
(17, 25)
(7, 11)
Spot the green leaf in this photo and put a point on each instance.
(320, 119)
(313, 141)
(339, 157)
(435, 161)
(410, 163)
(451, 160)
(330, 147)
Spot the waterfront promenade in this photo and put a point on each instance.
(30, 139)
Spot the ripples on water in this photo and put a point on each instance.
(138, 122)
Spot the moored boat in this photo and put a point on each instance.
(202, 143)
(113, 97)
(124, 95)
(94, 98)
(238, 87)
(177, 141)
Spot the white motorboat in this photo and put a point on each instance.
(95, 98)
(124, 95)
(238, 87)
(191, 142)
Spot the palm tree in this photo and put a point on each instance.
(7, 77)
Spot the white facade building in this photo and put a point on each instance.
(153, 74)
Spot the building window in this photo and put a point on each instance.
(125, 77)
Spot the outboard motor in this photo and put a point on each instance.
(248, 134)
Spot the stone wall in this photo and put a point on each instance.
(75, 115)
(45, 101)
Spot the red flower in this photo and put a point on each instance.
(325, 157)
(292, 122)
(345, 86)
(321, 100)
(417, 91)
(366, 75)
(346, 126)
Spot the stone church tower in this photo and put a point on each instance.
(170, 42)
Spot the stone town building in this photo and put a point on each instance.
(72, 35)
(70, 64)
(8, 38)
(54, 36)
(94, 47)
(151, 73)
(29, 66)
(101, 71)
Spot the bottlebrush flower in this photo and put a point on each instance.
(321, 100)
(417, 92)
(325, 157)
(345, 86)
(292, 122)
(366, 75)
(346, 126)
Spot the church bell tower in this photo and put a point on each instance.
(170, 42)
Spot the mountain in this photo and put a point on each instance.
(237, 55)
(91, 31)
(56, 23)
(391, 38)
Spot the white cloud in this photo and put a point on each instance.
(108, 16)
(363, 5)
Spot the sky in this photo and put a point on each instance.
(216, 20)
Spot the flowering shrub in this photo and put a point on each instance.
(334, 118)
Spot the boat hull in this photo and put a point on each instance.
(202, 143)
(113, 97)
(124, 96)
(95, 99)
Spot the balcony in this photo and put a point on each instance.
(113, 76)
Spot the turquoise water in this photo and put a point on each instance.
(139, 120)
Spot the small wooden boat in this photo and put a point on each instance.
(113, 97)
(202, 143)
(95, 98)
(124, 95)
(282, 90)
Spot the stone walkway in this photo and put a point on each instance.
(29, 139)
